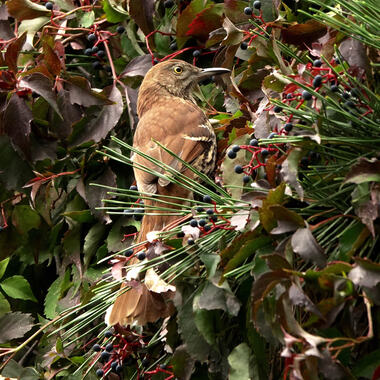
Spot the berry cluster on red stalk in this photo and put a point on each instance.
(322, 79)
(118, 349)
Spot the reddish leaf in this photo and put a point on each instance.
(17, 118)
(205, 22)
(25, 9)
(355, 54)
(289, 170)
(304, 34)
(304, 244)
(6, 32)
(51, 59)
(43, 86)
(298, 298)
(366, 170)
(142, 13)
(109, 115)
(81, 93)
(287, 220)
(136, 70)
(12, 52)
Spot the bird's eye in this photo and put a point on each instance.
(178, 69)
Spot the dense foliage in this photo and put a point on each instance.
(279, 273)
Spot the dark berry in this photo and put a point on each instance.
(108, 68)
(200, 209)
(196, 53)
(231, 154)
(145, 362)
(243, 46)
(155, 61)
(272, 135)
(317, 63)
(105, 355)
(190, 241)
(289, 96)
(235, 148)
(49, 5)
(193, 223)
(96, 65)
(254, 142)
(108, 333)
(317, 81)
(334, 88)
(180, 235)
(163, 366)
(113, 366)
(346, 95)
(133, 188)
(207, 228)
(202, 222)
(214, 218)
(141, 256)
(168, 3)
(304, 161)
(99, 372)
(120, 29)
(238, 169)
(119, 369)
(277, 109)
(173, 46)
(288, 127)
(96, 347)
(306, 95)
(257, 4)
(94, 49)
(264, 152)
(210, 211)
(101, 53)
(246, 179)
(88, 51)
(109, 347)
(91, 38)
(207, 199)
(139, 216)
(248, 11)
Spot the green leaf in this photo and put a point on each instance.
(24, 218)
(18, 287)
(14, 325)
(113, 13)
(3, 266)
(204, 320)
(248, 249)
(5, 307)
(367, 364)
(92, 241)
(239, 360)
(17, 371)
(87, 19)
(54, 294)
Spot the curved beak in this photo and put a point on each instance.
(204, 73)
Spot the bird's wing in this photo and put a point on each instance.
(182, 128)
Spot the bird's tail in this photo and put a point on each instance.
(139, 304)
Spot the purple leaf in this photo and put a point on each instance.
(43, 86)
(141, 11)
(289, 171)
(299, 298)
(98, 128)
(14, 325)
(366, 170)
(304, 244)
(17, 118)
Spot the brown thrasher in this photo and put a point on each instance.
(168, 114)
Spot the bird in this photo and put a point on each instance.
(168, 114)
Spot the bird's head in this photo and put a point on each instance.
(178, 77)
